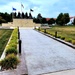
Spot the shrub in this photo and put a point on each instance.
(10, 62)
(68, 40)
(12, 45)
(63, 38)
(50, 33)
(53, 35)
(73, 42)
(58, 36)
(39, 29)
(11, 50)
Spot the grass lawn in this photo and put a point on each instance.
(67, 32)
(4, 37)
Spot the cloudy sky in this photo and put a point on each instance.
(47, 8)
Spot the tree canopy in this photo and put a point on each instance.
(5, 17)
(62, 19)
(51, 21)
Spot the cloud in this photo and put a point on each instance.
(47, 8)
(43, 7)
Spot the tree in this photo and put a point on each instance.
(15, 15)
(26, 15)
(59, 19)
(2, 20)
(39, 16)
(62, 19)
(19, 15)
(36, 20)
(30, 15)
(5, 17)
(51, 21)
(43, 20)
(23, 16)
(66, 18)
(11, 17)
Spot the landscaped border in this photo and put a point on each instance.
(13, 39)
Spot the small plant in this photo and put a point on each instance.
(73, 42)
(63, 38)
(11, 50)
(58, 36)
(68, 40)
(53, 35)
(48, 33)
(9, 62)
(39, 29)
(13, 45)
(45, 31)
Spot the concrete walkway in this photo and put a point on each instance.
(45, 55)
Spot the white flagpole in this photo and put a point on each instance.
(21, 10)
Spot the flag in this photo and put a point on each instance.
(31, 10)
(22, 5)
(14, 9)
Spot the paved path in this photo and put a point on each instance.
(44, 55)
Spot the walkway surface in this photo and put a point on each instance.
(45, 55)
(42, 55)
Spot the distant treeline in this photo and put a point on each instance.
(6, 17)
(62, 19)
(22, 15)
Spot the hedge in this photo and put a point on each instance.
(9, 62)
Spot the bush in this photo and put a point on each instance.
(11, 50)
(12, 45)
(53, 35)
(73, 42)
(63, 38)
(58, 36)
(10, 62)
(68, 40)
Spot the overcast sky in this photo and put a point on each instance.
(47, 8)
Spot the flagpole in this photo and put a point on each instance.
(21, 10)
(12, 14)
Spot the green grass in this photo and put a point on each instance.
(68, 32)
(4, 37)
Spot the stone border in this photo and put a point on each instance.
(57, 39)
